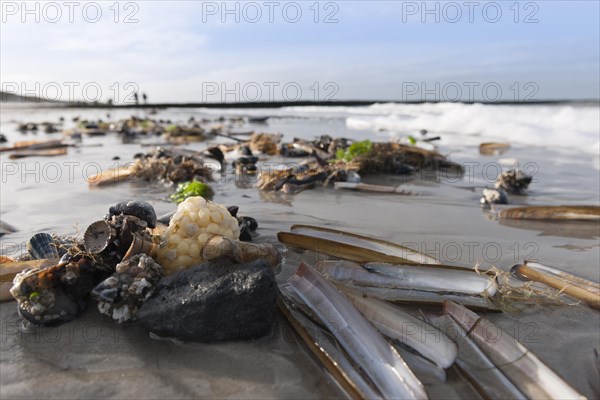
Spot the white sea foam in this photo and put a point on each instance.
(562, 126)
(575, 127)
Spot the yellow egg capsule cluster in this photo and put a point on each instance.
(195, 221)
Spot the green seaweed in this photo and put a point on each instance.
(190, 189)
(171, 128)
(355, 149)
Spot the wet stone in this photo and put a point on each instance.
(214, 301)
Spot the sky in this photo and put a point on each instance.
(217, 51)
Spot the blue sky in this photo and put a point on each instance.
(183, 51)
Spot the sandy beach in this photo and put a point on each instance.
(91, 357)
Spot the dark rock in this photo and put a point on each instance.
(214, 301)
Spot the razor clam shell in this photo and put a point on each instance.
(325, 347)
(524, 369)
(571, 279)
(41, 246)
(380, 361)
(429, 279)
(571, 285)
(9, 270)
(407, 329)
(408, 296)
(425, 370)
(447, 280)
(475, 366)
(355, 247)
(553, 213)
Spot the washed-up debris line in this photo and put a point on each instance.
(340, 160)
(166, 166)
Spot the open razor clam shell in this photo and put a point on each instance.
(325, 348)
(365, 346)
(351, 246)
(407, 329)
(525, 370)
(471, 363)
(574, 286)
(428, 279)
(551, 213)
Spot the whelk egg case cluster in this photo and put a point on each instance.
(195, 221)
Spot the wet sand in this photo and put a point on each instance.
(94, 358)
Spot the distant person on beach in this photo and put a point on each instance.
(136, 98)
(145, 98)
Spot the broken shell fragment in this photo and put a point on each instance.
(140, 245)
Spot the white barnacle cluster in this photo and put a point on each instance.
(195, 221)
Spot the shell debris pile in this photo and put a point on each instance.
(194, 223)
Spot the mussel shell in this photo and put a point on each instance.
(98, 236)
(41, 246)
(64, 308)
(233, 210)
(140, 209)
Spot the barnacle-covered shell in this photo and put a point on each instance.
(41, 246)
(513, 181)
(121, 295)
(98, 236)
(56, 294)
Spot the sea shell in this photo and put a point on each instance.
(121, 295)
(41, 246)
(98, 236)
(139, 209)
(140, 245)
